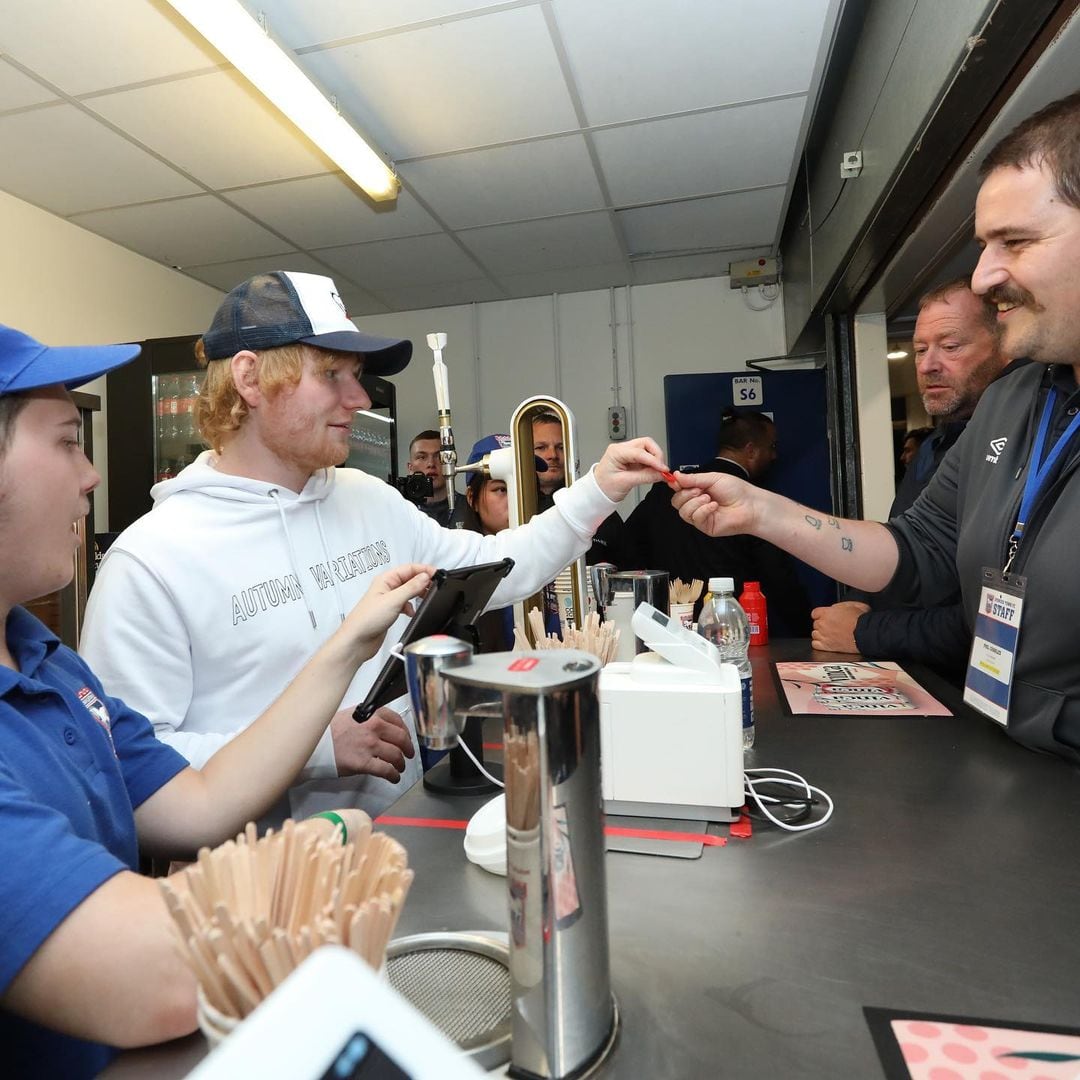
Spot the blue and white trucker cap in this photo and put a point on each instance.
(26, 364)
(283, 308)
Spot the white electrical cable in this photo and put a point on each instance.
(472, 757)
(780, 777)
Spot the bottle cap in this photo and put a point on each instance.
(755, 585)
(721, 584)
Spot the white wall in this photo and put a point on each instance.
(66, 286)
(500, 353)
(875, 416)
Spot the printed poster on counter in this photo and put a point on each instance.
(854, 688)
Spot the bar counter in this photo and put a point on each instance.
(946, 882)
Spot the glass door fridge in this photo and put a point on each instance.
(176, 435)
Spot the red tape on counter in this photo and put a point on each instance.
(742, 829)
(610, 830)
(665, 834)
(421, 822)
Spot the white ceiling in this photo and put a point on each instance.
(543, 145)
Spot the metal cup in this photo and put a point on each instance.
(437, 724)
(633, 588)
(599, 573)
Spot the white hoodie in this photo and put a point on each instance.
(206, 607)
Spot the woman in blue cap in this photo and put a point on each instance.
(87, 961)
(487, 511)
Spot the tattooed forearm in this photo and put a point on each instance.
(846, 543)
(811, 520)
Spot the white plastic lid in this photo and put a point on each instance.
(721, 584)
(485, 837)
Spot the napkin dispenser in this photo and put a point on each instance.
(671, 727)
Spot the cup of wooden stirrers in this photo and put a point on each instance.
(600, 639)
(683, 597)
(249, 911)
(683, 593)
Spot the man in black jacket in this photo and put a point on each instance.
(658, 539)
(957, 355)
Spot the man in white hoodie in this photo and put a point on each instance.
(206, 607)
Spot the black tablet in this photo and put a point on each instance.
(451, 606)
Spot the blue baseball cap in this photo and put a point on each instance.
(26, 364)
(486, 445)
(497, 442)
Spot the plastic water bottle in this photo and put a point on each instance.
(723, 622)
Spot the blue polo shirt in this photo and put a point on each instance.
(74, 765)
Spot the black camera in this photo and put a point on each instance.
(416, 487)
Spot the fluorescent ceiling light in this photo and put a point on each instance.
(251, 50)
(896, 354)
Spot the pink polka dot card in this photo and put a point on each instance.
(915, 1046)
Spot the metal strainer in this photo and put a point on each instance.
(461, 983)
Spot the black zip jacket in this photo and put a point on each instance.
(962, 523)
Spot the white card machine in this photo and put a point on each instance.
(671, 727)
(333, 1018)
(676, 644)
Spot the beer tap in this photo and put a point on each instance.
(447, 451)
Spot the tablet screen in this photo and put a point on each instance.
(451, 606)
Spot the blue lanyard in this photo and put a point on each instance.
(1039, 470)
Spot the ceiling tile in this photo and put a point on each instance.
(532, 246)
(300, 25)
(633, 59)
(86, 45)
(68, 161)
(715, 264)
(452, 86)
(394, 264)
(324, 210)
(197, 230)
(227, 275)
(747, 219)
(216, 127)
(18, 90)
(476, 291)
(571, 279)
(747, 146)
(507, 183)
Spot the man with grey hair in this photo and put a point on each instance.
(958, 354)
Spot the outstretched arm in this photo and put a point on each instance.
(859, 553)
(242, 780)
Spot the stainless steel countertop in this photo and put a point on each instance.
(942, 884)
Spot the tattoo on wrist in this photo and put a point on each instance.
(811, 520)
(833, 523)
(847, 543)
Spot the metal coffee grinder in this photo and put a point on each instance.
(563, 1015)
